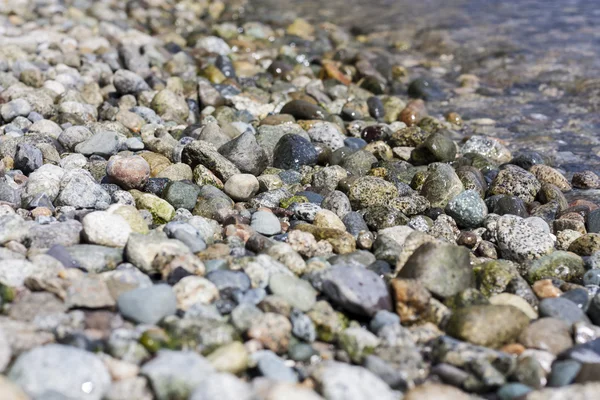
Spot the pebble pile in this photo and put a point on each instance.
(196, 206)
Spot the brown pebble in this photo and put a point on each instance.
(413, 113)
(486, 249)
(411, 299)
(236, 219)
(215, 251)
(544, 289)
(573, 215)
(586, 180)
(41, 212)
(16, 247)
(591, 206)
(513, 348)
(454, 118)
(468, 239)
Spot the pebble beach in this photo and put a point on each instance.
(249, 200)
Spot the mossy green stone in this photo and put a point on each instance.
(231, 358)
(154, 340)
(466, 298)
(369, 191)
(358, 343)
(7, 294)
(559, 264)
(494, 276)
(162, 212)
(328, 322)
(441, 185)
(285, 203)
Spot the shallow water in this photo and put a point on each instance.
(537, 61)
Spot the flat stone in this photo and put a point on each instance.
(550, 334)
(148, 305)
(297, 292)
(490, 326)
(357, 290)
(443, 269)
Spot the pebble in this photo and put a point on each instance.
(148, 305)
(297, 292)
(266, 198)
(357, 290)
(60, 370)
(441, 185)
(294, 151)
(241, 187)
(343, 381)
(274, 368)
(549, 334)
(128, 172)
(519, 241)
(106, 229)
(176, 374)
(563, 309)
(467, 209)
(266, 223)
(487, 325)
(442, 268)
(222, 386)
(272, 330)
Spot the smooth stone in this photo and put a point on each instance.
(468, 209)
(509, 299)
(273, 367)
(105, 229)
(512, 391)
(229, 280)
(441, 185)
(549, 334)
(265, 223)
(297, 292)
(241, 187)
(520, 241)
(562, 309)
(67, 371)
(148, 305)
(487, 325)
(563, 372)
(357, 290)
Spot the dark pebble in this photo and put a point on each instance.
(294, 151)
(376, 109)
(562, 308)
(156, 185)
(302, 109)
(527, 159)
(424, 89)
(579, 297)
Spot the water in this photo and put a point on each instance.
(537, 62)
